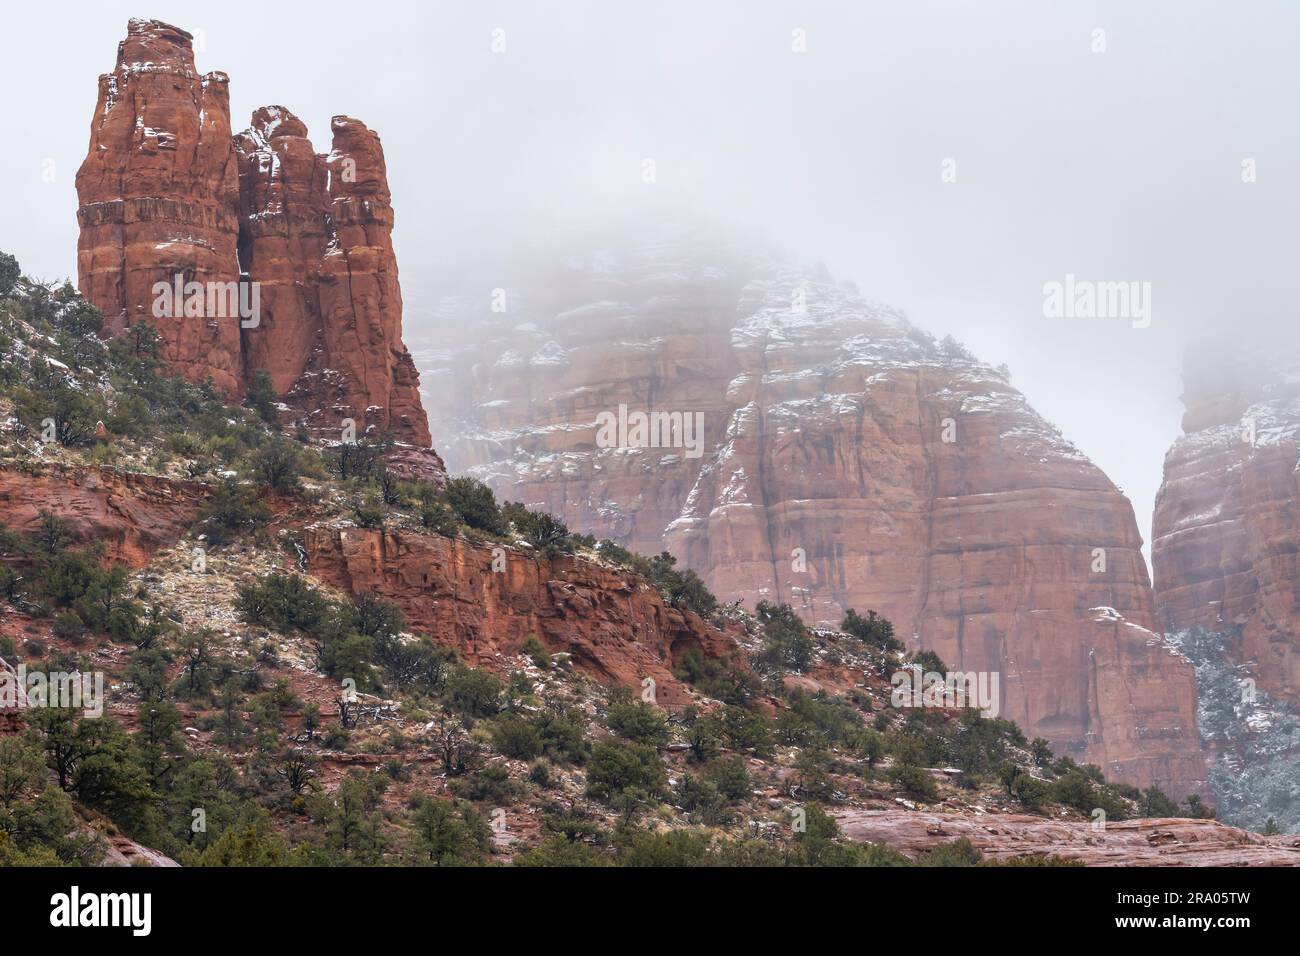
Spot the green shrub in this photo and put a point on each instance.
(278, 464)
(730, 776)
(681, 589)
(440, 519)
(262, 398)
(540, 774)
(618, 767)
(441, 835)
(637, 721)
(726, 680)
(475, 504)
(1023, 786)
(872, 629)
(746, 730)
(473, 692)
(787, 645)
(10, 273)
(1196, 809)
(929, 662)
(359, 461)
(283, 601)
(563, 740)
(73, 412)
(515, 737)
(676, 848)
(536, 651)
(1155, 803)
(490, 784)
(916, 781)
(69, 626)
(546, 533)
(701, 799)
(960, 852)
(368, 511)
(557, 851)
(230, 511)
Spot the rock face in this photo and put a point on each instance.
(848, 460)
(131, 515)
(159, 195)
(120, 850)
(166, 191)
(1226, 558)
(317, 237)
(614, 626)
(283, 201)
(1149, 842)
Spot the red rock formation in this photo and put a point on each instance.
(1226, 536)
(1149, 842)
(120, 850)
(159, 195)
(283, 202)
(165, 191)
(131, 515)
(615, 627)
(848, 460)
(317, 237)
(1226, 554)
(367, 367)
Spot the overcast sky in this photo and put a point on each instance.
(1117, 165)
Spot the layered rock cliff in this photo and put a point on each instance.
(612, 624)
(159, 196)
(165, 192)
(848, 460)
(316, 234)
(1149, 842)
(1226, 560)
(131, 515)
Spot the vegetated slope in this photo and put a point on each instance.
(847, 459)
(327, 667)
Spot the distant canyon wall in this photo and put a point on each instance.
(849, 460)
(1226, 562)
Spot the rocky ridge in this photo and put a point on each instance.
(598, 630)
(848, 460)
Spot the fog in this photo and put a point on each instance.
(1119, 165)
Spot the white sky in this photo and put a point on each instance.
(1123, 165)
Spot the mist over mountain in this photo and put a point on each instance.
(750, 435)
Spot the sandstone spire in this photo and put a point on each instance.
(167, 192)
(159, 197)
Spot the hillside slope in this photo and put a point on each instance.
(848, 459)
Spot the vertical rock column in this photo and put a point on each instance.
(368, 370)
(284, 224)
(158, 194)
